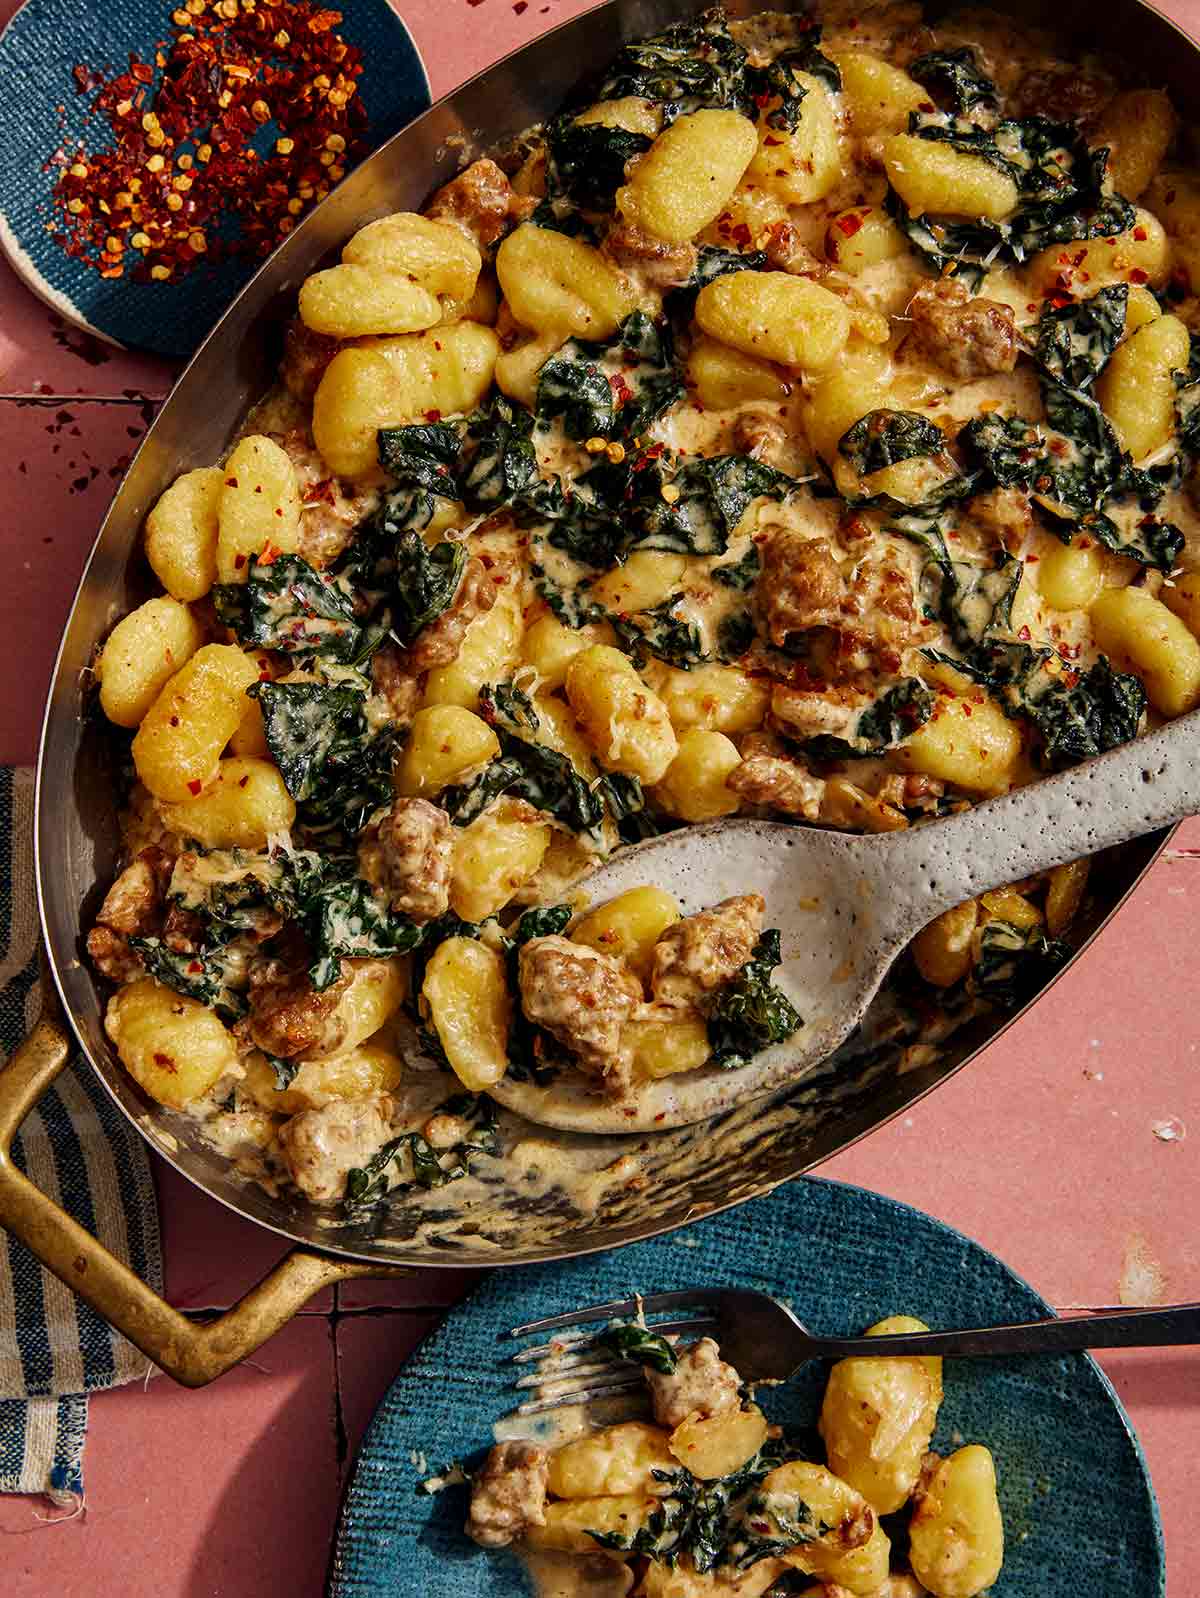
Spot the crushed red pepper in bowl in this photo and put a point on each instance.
(189, 176)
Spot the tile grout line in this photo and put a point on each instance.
(48, 401)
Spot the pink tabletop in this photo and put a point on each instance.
(1070, 1147)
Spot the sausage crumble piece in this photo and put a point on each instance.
(871, 612)
(966, 337)
(701, 1384)
(407, 854)
(321, 1145)
(769, 776)
(664, 265)
(509, 1494)
(132, 908)
(583, 998)
(287, 1014)
(702, 952)
(481, 201)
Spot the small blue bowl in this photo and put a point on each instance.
(1079, 1512)
(42, 111)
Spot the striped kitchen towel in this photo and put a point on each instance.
(79, 1149)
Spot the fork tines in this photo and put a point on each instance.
(575, 1370)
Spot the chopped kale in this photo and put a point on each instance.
(894, 716)
(1009, 447)
(710, 500)
(504, 705)
(741, 574)
(369, 1183)
(355, 779)
(478, 1109)
(777, 80)
(954, 80)
(285, 1071)
(711, 262)
(305, 721)
(686, 67)
(547, 779)
(881, 438)
(640, 1346)
(348, 917)
(204, 977)
(542, 923)
(769, 1527)
(576, 389)
(1078, 716)
(749, 1012)
(586, 161)
(1187, 398)
(285, 604)
(421, 460)
(425, 582)
(614, 388)
(662, 632)
(500, 459)
(1014, 962)
(735, 635)
(1074, 341)
(622, 794)
(464, 801)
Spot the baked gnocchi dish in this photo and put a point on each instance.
(803, 423)
(708, 1498)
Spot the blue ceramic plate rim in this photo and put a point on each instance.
(40, 43)
(364, 1560)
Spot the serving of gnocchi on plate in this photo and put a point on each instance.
(802, 423)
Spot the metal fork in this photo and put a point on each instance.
(765, 1342)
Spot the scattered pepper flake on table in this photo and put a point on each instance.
(247, 115)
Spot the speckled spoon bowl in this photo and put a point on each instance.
(847, 905)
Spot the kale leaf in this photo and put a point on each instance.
(285, 604)
(426, 582)
(347, 917)
(1078, 716)
(586, 161)
(367, 1184)
(613, 388)
(1015, 962)
(662, 632)
(741, 574)
(883, 437)
(894, 716)
(573, 387)
(501, 463)
(305, 722)
(640, 1346)
(1074, 341)
(543, 922)
(686, 67)
(711, 497)
(204, 977)
(749, 1012)
(954, 80)
(777, 80)
(735, 635)
(421, 461)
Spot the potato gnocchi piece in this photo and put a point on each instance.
(776, 317)
(956, 1539)
(1139, 632)
(355, 301)
(879, 96)
(141, 654)
(244, 805)
(557, 284)
(440, 257)
(465, 993)
(181, 533)
(683, 181)
(629, 926)
(259, 508)
(445, 743)
(173, 1047)
(180, 739)
(1137, 388)
(724, 377)
(618, 1461)
(804, 164)
(939, 180)
(494, 857)
(623, 721)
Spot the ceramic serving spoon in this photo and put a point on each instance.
(847, 905)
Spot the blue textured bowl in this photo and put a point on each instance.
(38, 49)
(1079, 1512)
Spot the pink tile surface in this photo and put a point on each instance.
(1045, 1150)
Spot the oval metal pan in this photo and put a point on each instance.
(694, 1171)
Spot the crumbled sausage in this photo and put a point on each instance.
(767, 776)
(914, 791)
(800, 713)
(762, 435)
(1003, 515)
(583, 998)
(287, 1014)
(407, 854)
(702, 952)
(800, 584)
(966, 337)
(396, 684)
(786, 252)
(481, 201)
(509, 1494)
(439, 643)
(183, 930)
(701, 1384)
(321, 1145)
(133, 905)
(305, 356)
(1064, 94)
(871, 611)
(111, 955)
(664, 265)
(328, 514)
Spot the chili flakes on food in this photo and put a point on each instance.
(182, 181)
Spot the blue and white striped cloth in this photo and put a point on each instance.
(78, 1148)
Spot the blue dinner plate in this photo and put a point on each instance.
(1079, 1512)
(41, 111)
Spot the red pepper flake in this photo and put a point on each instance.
(851, 222)
(239, 561)
(1140, 233)
(433, 416)
(194, 787)
(772, 140)
(165, 1062)
(242, 781)
(742, 235)
(1025, 634)
(180, 181)
(1138, 276)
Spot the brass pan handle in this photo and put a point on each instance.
(193, 1354)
